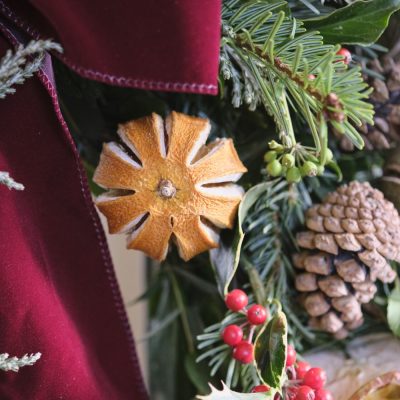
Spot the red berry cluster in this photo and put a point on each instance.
(243, 349)
(306, 383)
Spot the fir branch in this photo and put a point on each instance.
(219, 355)
(14, 363)
(16, 67)
(281, 64)
(6, 179)
(268, 230)
(268, 241)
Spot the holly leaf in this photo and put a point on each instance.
(227, 394)
(225, 259)
(393, 310)
(361, 22)
(270, 351)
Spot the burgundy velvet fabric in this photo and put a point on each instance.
(152, 44)
(58, 292)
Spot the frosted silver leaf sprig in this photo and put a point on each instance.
(5, 179)
(15, 363)
(21, 64)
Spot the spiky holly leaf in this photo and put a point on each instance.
(227, 394)
(270, 351)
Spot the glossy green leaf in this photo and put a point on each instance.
(227, 394)
(393, 310)
(225, 259)
(361, 22)
(270, 351)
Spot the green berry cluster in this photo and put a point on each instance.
(294, 163)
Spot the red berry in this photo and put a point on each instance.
(301, 368)
(232, 335)
(243, 352)
(291, 393)
(322, 394)
(345, 54)
(290, 356)
(305, 393)
(315, 378)
(257, 314)
(260, 389)
(236, 300)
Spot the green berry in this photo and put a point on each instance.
(329, 156)
(320, 169)
(274, 145)
(270, 156)
(274, 168)
(309, 169)
(293, 175)
(288, 160)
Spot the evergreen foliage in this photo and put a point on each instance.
(272, 59)
(16, 67)
(8, 363)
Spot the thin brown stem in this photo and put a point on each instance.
(332, 106)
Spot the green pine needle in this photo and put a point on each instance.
(269, 57)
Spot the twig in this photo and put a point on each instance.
(329, 101)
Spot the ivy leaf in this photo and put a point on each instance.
(393, 310)
(361, 22)
(227, 394)
(225, 259)
(270, 351)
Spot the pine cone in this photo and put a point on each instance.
(350, 238)
(386, 101)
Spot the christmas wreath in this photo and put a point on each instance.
(269, 213)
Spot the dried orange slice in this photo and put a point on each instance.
(165, 183)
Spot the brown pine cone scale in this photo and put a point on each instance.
(351, 237)
(386, 101)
